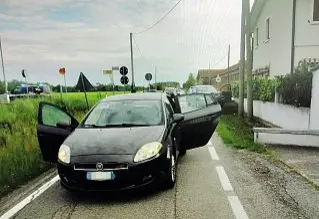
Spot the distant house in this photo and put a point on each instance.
(282, 37)
(208, 76)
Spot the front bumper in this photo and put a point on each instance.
(136, 174)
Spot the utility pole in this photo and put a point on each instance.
(228, 63)
(4, 74)
(249, 63)
(155, 78)
(242, 63)
(132, 66)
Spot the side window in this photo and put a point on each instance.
(189, 103)
(51, 115)
(210, 100)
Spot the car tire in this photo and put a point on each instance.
(182, 151)
(171, 173)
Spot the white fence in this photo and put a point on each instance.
(282, 115)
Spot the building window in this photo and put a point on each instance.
(268, 29)
(257, 37)
(315, 15)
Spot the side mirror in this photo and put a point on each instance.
(63, 125)
(178, 117)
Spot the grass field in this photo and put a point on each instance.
(20, 157)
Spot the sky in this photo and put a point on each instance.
(90, 36)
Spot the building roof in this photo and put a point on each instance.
(209, 72)
(214, 72)
(256, 11)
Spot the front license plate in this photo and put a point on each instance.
(99, 176)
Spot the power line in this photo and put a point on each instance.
(160, 20)
(220, 61)
(135, 42)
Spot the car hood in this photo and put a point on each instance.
(111, 141)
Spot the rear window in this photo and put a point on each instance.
(134, 112)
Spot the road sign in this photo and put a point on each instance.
(62, 71)
(218, 79)
(148, 76)
(124, 80)
(107, 72)
(123, 70)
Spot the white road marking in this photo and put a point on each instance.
(237, 208)
(213, 153)
(30, 198)
(224, 179)
(209, 144)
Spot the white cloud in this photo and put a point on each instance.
(195, 34)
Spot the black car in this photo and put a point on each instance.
(208, 89)
(125, 141)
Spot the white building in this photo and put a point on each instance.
(283, 38)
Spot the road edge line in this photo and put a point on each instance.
(29, 198)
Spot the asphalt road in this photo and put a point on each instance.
(254, 188)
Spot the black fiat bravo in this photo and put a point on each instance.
(125, 141)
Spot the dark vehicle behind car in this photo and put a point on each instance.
(208, 89)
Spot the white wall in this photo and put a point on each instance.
(314, 112)
(282, 115)
(287, 139)
(307, 34)
(277, 51)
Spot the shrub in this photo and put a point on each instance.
(295, 89)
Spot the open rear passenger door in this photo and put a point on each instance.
(201, 116)
(54, 126)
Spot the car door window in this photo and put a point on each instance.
(169, 110)
(210, 100)
(189, 103)
(51, 115)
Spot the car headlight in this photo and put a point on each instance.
(148, 151)
(64, 154)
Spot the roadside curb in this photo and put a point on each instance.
(17, 195)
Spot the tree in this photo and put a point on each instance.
(12, 85)
(190, 81)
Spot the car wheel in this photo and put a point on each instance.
(182, 151)
(171, 173)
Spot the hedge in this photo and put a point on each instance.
(294, 89)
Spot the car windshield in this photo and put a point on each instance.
(125, 113)
(205, 89)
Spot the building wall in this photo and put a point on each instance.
(307, 33)
(276, 51)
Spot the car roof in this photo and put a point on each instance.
(135, 96)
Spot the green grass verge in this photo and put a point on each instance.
(236, 132)
(20, 156)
